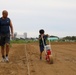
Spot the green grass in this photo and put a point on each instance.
(22, 41)
(28, 41)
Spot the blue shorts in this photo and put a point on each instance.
(41, 48)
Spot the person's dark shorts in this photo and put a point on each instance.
(4, 39)
(41, 48)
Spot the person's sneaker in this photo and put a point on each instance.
(3, 60)
(6, 59)
(40, 58)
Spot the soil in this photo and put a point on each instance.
(24, 60)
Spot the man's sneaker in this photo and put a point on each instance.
(6, 59)
(3, 60)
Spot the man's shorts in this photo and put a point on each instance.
(41, 48)
(4, 39)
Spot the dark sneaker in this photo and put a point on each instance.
(40, 58)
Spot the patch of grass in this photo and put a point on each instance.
(22, 41)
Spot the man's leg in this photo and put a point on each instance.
(7, 43)
(7, 52)
(2, 43)
(2, 51)
(7, 49)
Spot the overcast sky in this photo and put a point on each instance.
(56, 17)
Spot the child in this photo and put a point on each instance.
(41, 45)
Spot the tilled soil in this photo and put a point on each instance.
(24, 60)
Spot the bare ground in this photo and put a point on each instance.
(24, 60)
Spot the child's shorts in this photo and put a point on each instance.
(41, 48)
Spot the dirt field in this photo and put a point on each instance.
(24, 60)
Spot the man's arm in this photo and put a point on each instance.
(0, 25)
(11, 27)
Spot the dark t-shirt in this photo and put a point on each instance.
(4, 26)
(44, 38)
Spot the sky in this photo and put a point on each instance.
(56, 17)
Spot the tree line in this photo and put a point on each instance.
(70, 38)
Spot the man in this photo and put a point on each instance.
(6, 29)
